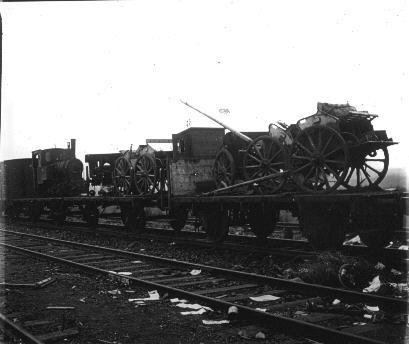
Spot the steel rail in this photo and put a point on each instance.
(19, 331)
(305, 288)
(288, 325)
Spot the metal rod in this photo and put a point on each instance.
(236, 132)
(260, 179)
(19, 331)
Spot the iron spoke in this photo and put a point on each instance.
(371, 168)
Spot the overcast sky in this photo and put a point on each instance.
(111, 74)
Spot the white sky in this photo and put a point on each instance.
(111, 73)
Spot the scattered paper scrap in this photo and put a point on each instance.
(264, 298)
(374, 285)
(372, 308)
(260, 335)
(137, 262)
(215, 322)
(353, 241)
(177, 300)
(114, 292)
(359, 323)
(153, 296)
(261, 309)
(336, 302)
(192, 306)
(195, 272)
(199, 311)
(125, 273)
(82, 299)
(367, 316)
(404, 247)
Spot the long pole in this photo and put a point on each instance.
(260, 179)
(236, 132)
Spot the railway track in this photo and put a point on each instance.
(272, 246)
(293, 307)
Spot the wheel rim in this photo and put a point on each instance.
(145, 175)
(367, 169)
(122, 176)
(265, 156)
(223, 168)
(319, 159)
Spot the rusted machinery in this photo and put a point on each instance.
(336, 147)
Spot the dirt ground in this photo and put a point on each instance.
(104, 317)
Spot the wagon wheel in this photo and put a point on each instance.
(262, 221)
(145, 174)
(319, 159)
(223, 168)
(122, 176)
(266, 155)
(367, 169)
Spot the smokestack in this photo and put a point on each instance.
(73, 147)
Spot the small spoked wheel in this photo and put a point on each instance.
(145, 175)
(319, 159)
(224, 169)
(367, 169)
(266, 156)
(122, 176)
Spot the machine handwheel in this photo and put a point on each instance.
(367, 169)
(224, 169)
(216, 225)
(145, 175)
(262, 221)
(319, 159)
(266, 155)
(122, 176)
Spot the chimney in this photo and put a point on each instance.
(73, 147)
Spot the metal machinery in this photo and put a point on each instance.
(57, 172)
(233, 178)
(100, 168)
(141, 172)
(336, 147)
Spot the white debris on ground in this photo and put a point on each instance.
(195, 272)
(153, 296)
(264, 298)
(215, 322)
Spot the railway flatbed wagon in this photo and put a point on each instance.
(324, 219)
(326, 169)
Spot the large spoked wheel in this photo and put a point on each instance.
(367, 169)
(216, 225)
(145, 175)
(224, 169)
(262, 221)
(319, 159)
(266, 155)
(122, 176)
